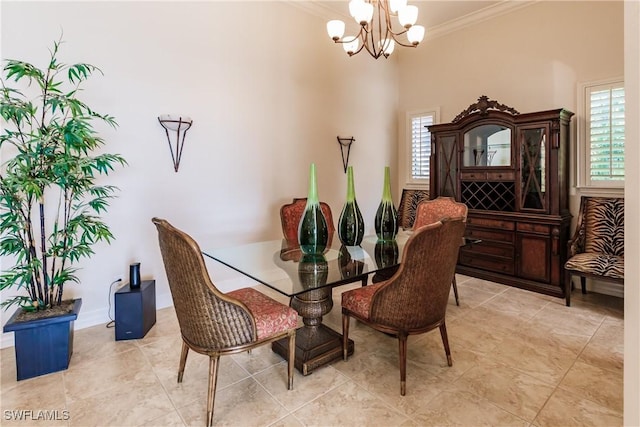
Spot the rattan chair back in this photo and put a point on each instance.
(415, 297)
(209, 320)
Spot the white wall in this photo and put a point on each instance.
(266, 102)
(632, 210)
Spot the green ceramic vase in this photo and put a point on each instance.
(351, 223)
(386, 221)
(386, 253)
(313, 233)
(313, 271)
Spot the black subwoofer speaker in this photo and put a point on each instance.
(135, 310)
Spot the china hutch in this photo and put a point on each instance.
(512, 171)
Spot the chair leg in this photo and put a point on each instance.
(183, 361)
(345, 336)
(291, 363)
(402, 343)
(445, 341)
(568, 285)
(211, 393)
(455, 289)
(583, 283)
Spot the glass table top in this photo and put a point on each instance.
(287, 270)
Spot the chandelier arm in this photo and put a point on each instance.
(370, 45)
(359, 35)
(403, 44)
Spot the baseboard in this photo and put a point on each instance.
(607, 288)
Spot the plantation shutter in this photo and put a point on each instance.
(420, 146)
(606, 133)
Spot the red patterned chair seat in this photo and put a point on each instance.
(271, 317)
(359, 300)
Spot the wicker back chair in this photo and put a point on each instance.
(430, 211)
(290, 215)
(414, 300)
(214, 323)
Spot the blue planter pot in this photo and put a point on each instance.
(45, 345)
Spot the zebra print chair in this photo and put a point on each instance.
(597, 247)
(408, 204)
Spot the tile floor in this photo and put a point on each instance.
(519, 358)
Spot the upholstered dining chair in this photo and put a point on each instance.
(409, 202)
(291, 213)
(214, 323)
(430, 211)
(596, 249)
(414, 299)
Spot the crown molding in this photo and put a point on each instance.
(489, 12)
(505, 6)
(318, 9)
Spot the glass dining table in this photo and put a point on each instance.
(308, 281)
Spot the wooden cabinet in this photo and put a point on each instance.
(512, 171)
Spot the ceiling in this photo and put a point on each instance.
(437, 16)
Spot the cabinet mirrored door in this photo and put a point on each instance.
(487, 145)
(448, 166)
(533, 172)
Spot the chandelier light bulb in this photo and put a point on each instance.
(354, 7)
(408, 16)
(387, 46)
(335, 28)
(364, 13)
(415, 34)
(396, 5)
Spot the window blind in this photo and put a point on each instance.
(420, 146)
(606, 133)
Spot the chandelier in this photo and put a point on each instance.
(376, 33)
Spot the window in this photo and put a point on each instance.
(419, 146)
(603, 135)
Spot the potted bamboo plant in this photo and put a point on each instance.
(50, 203)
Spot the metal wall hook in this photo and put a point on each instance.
(345, 146)
(180, 125)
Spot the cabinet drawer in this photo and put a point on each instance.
(492, 235)
(492, 223)
(487, 263)
(472, 176)
(488, 176)
(501, 176)
(501, 250)
(535, 228)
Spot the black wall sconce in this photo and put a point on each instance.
(345, 150)
(178, 127)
